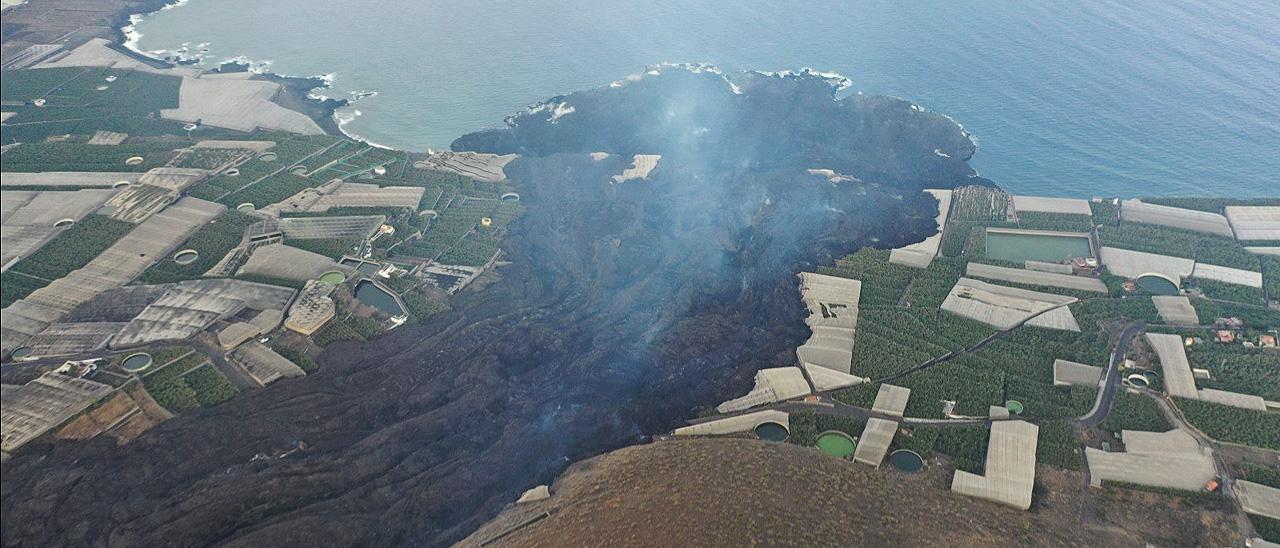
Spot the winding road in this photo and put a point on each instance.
(1111, 378)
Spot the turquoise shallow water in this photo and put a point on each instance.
(1108, 97)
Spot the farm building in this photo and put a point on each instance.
(264, 364)
(1138, 211)
(1258, 499)
(833, 316)
(1010, 470)
(1133, 264)
(641, 165)
(34, 408)
(102, 137)
(921, 254)
(1032, 277)
(118, 265)
(237, 333)
(1233, 399)
(1255, 222)
(315, 228)
(338, 193)
(190, 307)
(69, 338)
(1068, 373)
(876, 438)
(1227, 275)
(476, 165)
(771, 385)
(1176, 310)
(78, 179)
(29, 219)
(1170, 459)
(891, 400)
(236, 103)
(1042, 204)
(1178, 379)
(312, 309)
(289, 263)
(732, 425)
(1006, 307)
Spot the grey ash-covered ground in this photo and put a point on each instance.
(625, 307)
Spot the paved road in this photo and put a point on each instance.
(974, 348)
(234, 373)
(1176, 418)
(1111, 378)
(21, 372)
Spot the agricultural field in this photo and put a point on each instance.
(1232, 424)
(1135, 412)
(1037, 220)
(325, 167)
(265, 191)
(266, 179)
(1203, 247)
(298, 357)
(1058, 445)
(346, 326)
(207, 158)
(68, 251)
(78, 155)
(1253, 316)
(966, 445)
(885, 283)
(806, 426)
(456, 235)
(1265, 475)
(1105, 213)
(212, 242)
(1093, 314)
(1268, 528)
(188, 383)
(1271, 275)
(80, 101)
(334, 248)
(891, 339)
(979, 203)
(1211, 205)
(1223, 291)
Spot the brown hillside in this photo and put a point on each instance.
(740, 492)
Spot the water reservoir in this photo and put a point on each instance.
(771, 431)
(906, 460)
(333, 277)
(136, 362)
(1021, 246)
(835, 443)
(372, 295)
(1156, 285)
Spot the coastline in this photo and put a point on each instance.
(298, 92)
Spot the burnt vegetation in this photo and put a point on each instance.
(624, 307)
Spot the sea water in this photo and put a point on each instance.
(1098, 97)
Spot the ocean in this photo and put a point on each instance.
(1097, 97)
